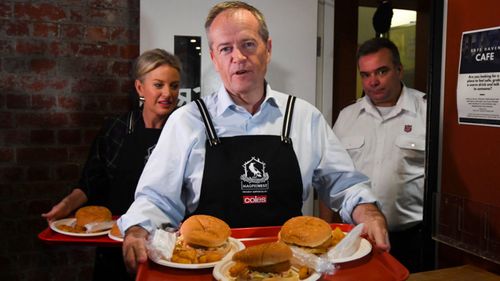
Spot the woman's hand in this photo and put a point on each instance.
(62, 209)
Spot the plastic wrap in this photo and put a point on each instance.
(348, 245)
(319, 264)
(98, 226)
(161, 245)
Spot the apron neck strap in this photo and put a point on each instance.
(213, 139)
(287, 121)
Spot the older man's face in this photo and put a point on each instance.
(239, 54)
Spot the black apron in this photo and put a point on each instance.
(136, 149)
(250, 180)
(134, 153)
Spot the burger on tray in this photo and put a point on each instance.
(311, 234)
(265, 262)
(202, 239)
(90, 219)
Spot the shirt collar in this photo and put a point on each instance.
(404, 103)
(225, 102)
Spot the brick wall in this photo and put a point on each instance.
(64, 67)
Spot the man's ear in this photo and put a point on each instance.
(269, 47)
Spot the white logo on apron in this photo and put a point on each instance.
(254, 175)
(150, 151)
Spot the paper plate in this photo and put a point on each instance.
(68, 221)
(221, 272)
(236, 245)
(365, 247)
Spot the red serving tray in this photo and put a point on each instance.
(49, 236)
(376, 266)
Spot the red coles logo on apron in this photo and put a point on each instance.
(254, 182)
(407, 128)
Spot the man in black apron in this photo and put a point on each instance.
(251, 175)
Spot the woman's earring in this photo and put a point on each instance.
(141, 102)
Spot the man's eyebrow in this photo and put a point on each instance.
(384, 67)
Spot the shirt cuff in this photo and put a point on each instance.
(357, 194)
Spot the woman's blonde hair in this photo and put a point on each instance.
(152, 59)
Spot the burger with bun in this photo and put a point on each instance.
(90, 215)
(263, 262)
(202, 239)
(311, 234)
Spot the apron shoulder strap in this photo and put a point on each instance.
(213, 139)
(287, 121)
(132, 118)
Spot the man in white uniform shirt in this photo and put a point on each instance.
(247, 154)
(384, 132)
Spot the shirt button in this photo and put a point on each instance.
(412, 145)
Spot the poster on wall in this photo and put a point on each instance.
(478, 86)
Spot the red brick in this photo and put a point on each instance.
(106, 86)
(69, 172)
(84, 68)
(103, 50)
(121, 103)
(30, 47)
(129, 51)
(76, 15)
(59, 49)
(58, 84)
(43, 29)
(38, 173)
(122, 68)
(71, 102)
(18, 101)
(113, 4)
(69, 137)
(16, 137)
(79, 153)
(41, 154)
(42, 11)
(12, 174)
(36, 120)
(97, 33)
(93, 104)
(124, 34)
(35, 84)
(73, 31)
(42, 137)
(15, 65)
(6, 154)
(7, 120)
(6, 47)
(19, 28)
(5, 10)
(127, 86)
(42, 65)
(43, 102)
(85, 120)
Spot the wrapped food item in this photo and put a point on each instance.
(200, 239)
